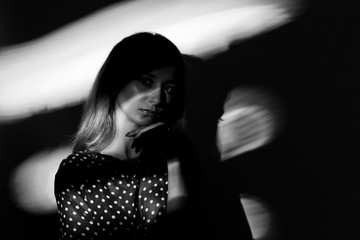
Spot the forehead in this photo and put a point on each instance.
(164, 74)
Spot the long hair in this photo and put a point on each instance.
(134, 55)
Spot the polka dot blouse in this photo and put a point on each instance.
(102, 197)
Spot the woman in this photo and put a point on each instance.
(126, 178)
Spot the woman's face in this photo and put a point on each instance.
(144, 99)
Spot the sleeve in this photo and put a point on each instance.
(75, 217)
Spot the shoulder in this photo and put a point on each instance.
(186, 153)
(184, 146)
(76, 159)
(74, 166)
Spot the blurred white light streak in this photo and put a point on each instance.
(209, 34)
(250, 121)
(32, 182)
(58, 69)
(242, 130)
(259, 217)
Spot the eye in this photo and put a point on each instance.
(170, 89)
(146, 81)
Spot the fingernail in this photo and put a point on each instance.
(131, 134)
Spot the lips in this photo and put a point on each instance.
(149, 112)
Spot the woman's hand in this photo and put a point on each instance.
(147, 136)
(156, 137)
(139, 131)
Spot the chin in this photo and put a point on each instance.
(145, 122)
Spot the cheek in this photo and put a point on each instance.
(132, 102)
(128, 96)
(170, 100)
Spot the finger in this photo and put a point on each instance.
(139, 131)
(147, 128)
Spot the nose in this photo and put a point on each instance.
(155, 96)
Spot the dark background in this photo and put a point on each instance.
(308, 175)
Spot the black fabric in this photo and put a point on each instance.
(101, 197)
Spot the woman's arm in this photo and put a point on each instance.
(75, 216)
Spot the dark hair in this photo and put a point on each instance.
(134, 55)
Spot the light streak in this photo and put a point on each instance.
(57, 69)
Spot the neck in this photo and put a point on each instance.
(120, 146)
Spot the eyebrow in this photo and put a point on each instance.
(169, 81)
(148, 74)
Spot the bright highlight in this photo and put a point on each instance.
(58, 69)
